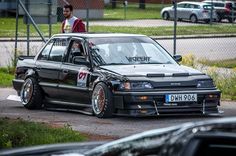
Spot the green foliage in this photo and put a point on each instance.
(6, 76)
(229, 63)
(7, 29)
(152, 11)
(225, 83)
(223, 79)
(19, 133)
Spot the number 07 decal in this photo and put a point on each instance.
(82, 78)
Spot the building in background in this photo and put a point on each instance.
(7, 7)
(96, 8)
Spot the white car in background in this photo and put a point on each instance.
(193, 11)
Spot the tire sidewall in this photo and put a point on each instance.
(35, 102)
(195, 17)
(107, 110)
(165, 16)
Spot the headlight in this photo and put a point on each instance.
(205, 84)
(135, 85)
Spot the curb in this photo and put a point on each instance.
(193, 36)
(34, 39)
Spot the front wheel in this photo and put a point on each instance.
(166, 16)
(31, 95)
(102, 103)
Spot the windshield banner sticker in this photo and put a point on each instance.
(138, 59)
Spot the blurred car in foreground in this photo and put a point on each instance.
(207, 138)
(224, 9)
(192, 11)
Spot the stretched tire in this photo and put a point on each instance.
(102, 103)
(165, 16)
(193, 19)
(231, 20)
(31, 94)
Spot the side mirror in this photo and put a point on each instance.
(80, 60)
(177, 58)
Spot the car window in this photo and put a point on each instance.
(76, 49)
(58, 49)
(180, 5)
(218, 4)
(192, 6)
(196, 6)
(45, 52)
(207, 7)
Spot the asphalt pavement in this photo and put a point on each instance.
(114, 127)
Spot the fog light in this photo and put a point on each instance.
(143, 98)
(212, 96)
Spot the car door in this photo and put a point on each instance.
(48, 65)
(74, 77)
(180, 10)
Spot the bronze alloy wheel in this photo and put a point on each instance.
(98, 99)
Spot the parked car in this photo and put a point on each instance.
(207, 138)
(113, 74)
(224, 9)
(192, 11)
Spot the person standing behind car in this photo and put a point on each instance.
(71, 24)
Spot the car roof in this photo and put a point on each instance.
(189, 2)
(97, 35)
(216, 1)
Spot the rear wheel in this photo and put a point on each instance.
(231, 20)
(102, 103)
(207, 21)
(166, 16)
(31, 94)
(193, 18)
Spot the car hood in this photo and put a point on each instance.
(151, 70)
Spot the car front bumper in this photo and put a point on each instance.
(17, 85)
(153, 103)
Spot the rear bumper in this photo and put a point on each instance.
(134, 103)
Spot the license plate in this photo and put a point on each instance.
(181, 98)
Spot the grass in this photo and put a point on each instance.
(7, 29)
(152, 11)
(229, 63)
(225, 81)
(165, 31)
(6, 76)
(19, 133)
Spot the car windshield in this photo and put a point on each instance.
(127, 50)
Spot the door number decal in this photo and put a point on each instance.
(82, 78)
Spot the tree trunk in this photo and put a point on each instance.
(113, 2)
(142, 4)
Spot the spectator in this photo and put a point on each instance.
(71, 24)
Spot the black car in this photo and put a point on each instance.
(112, 74)
(208, 138)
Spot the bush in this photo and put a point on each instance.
(18, 133)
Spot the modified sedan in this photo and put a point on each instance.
(112, 74)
